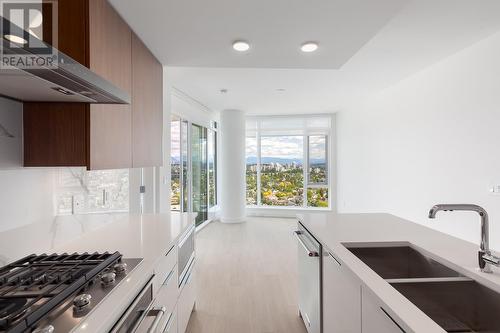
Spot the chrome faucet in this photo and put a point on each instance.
(486, 259)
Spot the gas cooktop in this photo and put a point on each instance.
(53, 293)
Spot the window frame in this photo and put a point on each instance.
(329, 167)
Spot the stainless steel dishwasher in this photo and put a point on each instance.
(309, 270)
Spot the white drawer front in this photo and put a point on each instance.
(167, 295)
(187, 299)
(171, 325)
(165, 266)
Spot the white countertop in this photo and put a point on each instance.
(147, 236)
(334, 229)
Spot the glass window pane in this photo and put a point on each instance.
(317, 160)
(317, 197)
(282, 177)
(175, 164)
(199, 172)
(185, 166)
(212, 168)
(251, 170)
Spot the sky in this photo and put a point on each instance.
(290, 147)
(175, 135)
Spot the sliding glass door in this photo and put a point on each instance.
(199, 172)
(194, 169)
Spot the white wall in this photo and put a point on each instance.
(26, 195)
(433, 138)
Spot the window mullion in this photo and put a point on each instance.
(305, 165)
(257, 138)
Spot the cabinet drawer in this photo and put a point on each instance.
(187, 298)
(171, 324)
(168, 292)
(376, 319)
(165, 266)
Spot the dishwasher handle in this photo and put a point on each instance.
(310, 253)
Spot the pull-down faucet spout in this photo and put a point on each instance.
(484, 256)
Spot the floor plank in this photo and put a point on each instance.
(246, 278)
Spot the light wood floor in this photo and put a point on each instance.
(246, 278)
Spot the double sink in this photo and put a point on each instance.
(455, 302)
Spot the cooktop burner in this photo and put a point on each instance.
(9, 307)
(36, 291)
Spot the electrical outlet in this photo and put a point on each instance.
(495, 189)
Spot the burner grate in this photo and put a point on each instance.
(31, 287)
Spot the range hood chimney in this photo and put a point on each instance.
(64, 80)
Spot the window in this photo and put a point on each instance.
(282, 176)
(194, 168)
(212, 168)
(317, 174)
(287, 161)
(251, 170)
(175, 163)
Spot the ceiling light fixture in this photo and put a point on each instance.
(241, 46)
(309, 47)
(15, 39)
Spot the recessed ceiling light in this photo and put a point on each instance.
(241, 46)
(15, 39)
(309, 47)
(281, 89)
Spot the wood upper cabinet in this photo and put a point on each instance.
(147, 106)
(100, 136)
(110, 51)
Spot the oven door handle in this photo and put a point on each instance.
(132, 307)
(301, 242)
(158, 312)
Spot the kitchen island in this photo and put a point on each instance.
(383, 308)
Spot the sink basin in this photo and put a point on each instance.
(456, 306)
(400, 262)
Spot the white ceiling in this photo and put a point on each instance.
(200, 33)
(420, 34)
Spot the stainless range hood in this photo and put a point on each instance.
(66, 81)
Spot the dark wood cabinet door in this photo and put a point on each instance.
(56, 134)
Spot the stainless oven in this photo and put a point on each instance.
(141, 316)
(185, 252)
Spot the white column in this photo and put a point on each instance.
(232, 163)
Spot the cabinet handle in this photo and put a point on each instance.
(169, 323)
(158, 313)
(169, 277)
(301, 242)
(335, 259)
(395, 322)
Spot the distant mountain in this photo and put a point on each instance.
(280, 160)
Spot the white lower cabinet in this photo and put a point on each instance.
(171, 324)
(341, 297)
(376, 319)
(187, 298)
(167, 297)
